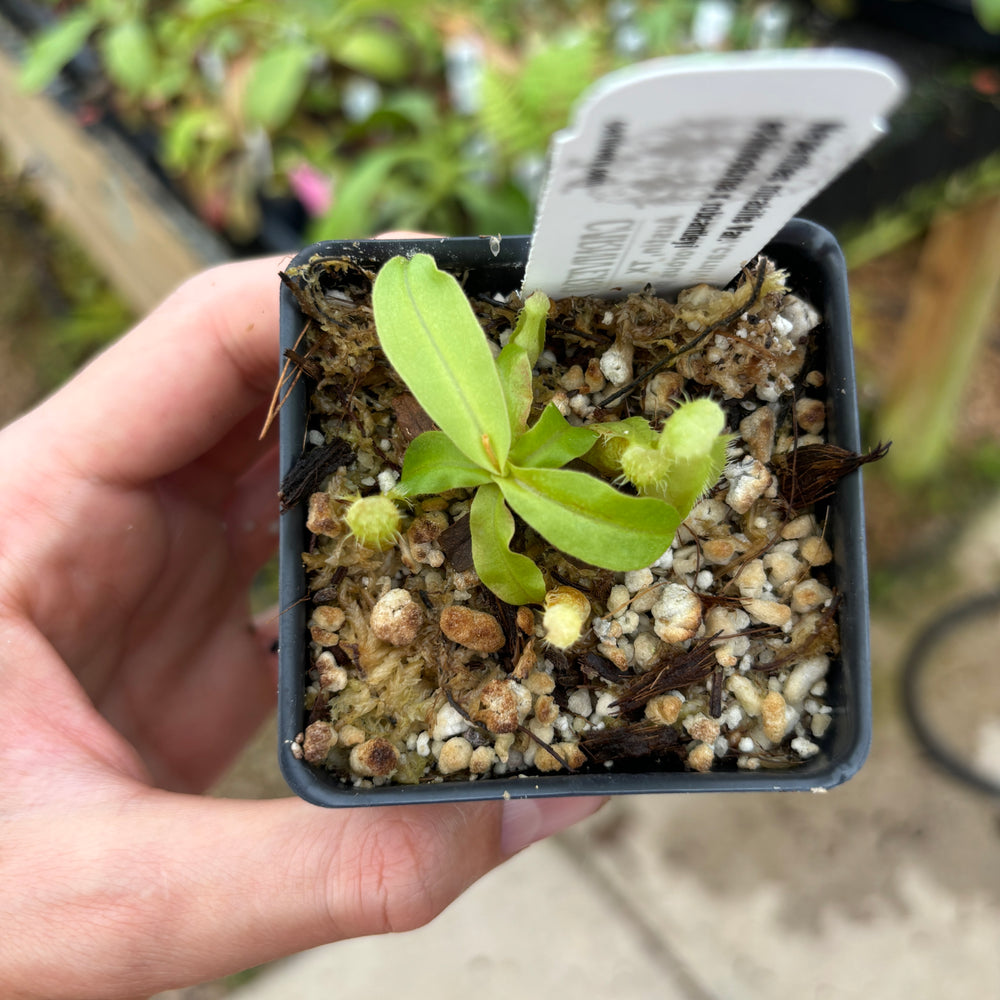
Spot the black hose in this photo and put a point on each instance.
(920, 658)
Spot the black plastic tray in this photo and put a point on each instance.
(818, 272)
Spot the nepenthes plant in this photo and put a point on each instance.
(493, 440)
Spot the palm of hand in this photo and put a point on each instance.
(160, 634)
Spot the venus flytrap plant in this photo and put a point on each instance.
(431, 337)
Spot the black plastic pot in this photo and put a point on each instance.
(818, 272)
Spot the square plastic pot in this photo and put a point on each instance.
(817, 270)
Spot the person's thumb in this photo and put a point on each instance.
(176, 889)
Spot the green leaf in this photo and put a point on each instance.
(130, 56)
(373, 51)
(514, 368)
(586, 518)
(692, 437)
(988, 14)
(174, 77)
(551, 442)
(692, 428)
(276, 84)
(433, 464)
(416, 108)
(432, 338)
(633, 429)
(614, 437)
(191, 130)
(523, 105)
(514, 578)
(518, 358)
(688, 478)
(501, 207)
(53, 48)
(529, 331)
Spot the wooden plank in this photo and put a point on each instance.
(951, 304)
(135, 233)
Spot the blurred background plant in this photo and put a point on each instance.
(45, 338)
(370, 113)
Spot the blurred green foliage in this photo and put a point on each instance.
(988, 13)
(377, 113)
(55, 309)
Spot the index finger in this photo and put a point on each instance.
(170, 389)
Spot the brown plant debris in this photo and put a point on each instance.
(810, 474)
(630, 741)
(676, 669)
(314, 466)
(594, 665)
(305, 364)
(286, 383)
(456, 543)
(410, 417)
(550, 750)
(747, 300)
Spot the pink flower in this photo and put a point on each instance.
(312, 187)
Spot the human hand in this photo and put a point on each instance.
(137, 506)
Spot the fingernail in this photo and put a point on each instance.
(526, 821)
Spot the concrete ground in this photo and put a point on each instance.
(886, 887)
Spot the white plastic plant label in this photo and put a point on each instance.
(679, 170)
